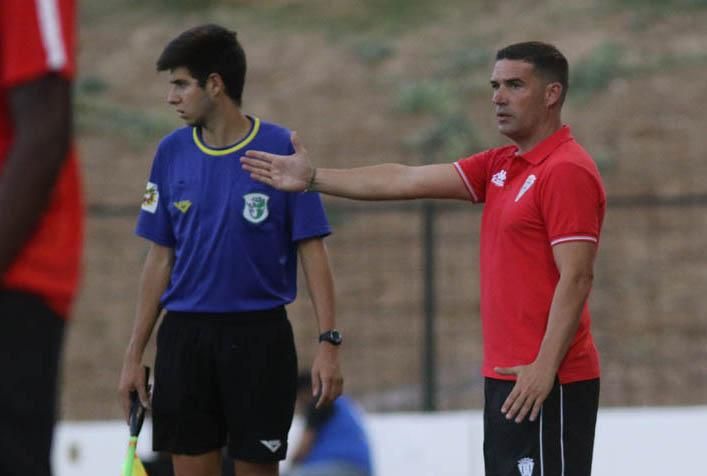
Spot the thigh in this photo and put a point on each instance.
(207, 464)
(259, 390)
(558, 443)
(510, 448)
(187, 410)
(31, 337)
(580, 407)
(245, 468)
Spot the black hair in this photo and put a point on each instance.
(546, 59)
(208, 49)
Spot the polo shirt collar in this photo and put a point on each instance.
(548, 145)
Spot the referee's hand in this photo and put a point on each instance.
(132, 378)
(327, 382)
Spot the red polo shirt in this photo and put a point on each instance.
(37, 38)
(549, 195)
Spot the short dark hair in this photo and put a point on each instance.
(208, 49)
(546, 59)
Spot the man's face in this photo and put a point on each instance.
(518, 97)
(188, 98)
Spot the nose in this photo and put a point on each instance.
(498, 97)
(172, 97)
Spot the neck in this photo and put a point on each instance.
(539, 134)
(226, 127)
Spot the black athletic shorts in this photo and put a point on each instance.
(225, 379)
(559, 442)
(31, 337)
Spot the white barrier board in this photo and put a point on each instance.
(640, 441)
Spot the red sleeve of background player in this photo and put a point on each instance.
(572, 203)
(36, 38)
(474, 172)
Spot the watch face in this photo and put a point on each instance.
(333, 337)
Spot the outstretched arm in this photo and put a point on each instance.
(295, 173)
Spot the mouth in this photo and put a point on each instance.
(503, 117)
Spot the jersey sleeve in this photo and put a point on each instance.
(474, 172)
(36, 38)
(307, 214)
(308, 217)
(572, 203)
(154, 222)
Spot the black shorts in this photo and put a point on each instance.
(560, 442)
(225, 379)
(31, 337)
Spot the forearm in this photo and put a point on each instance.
(41, 111)
(320, 282)
(153, 282)
(568, 302)
(376, 182)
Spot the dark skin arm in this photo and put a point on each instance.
(40, 112)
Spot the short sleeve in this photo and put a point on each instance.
(572, 203)
(154, 223)
(36, 38)
(474, 172)
(307, 216)
(307, 213)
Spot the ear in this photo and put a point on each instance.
(553, 94)
(214, 84)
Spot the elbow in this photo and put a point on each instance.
(581, 280)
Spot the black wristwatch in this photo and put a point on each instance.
(333, 337)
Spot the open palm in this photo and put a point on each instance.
(290, 173)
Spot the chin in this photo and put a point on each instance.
(506, 129)
(193, 122)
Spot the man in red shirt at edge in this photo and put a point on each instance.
(40, 223)
(544, 206)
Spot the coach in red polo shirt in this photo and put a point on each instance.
(40, 222)
(544, 207)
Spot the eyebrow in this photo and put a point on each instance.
(507, 81)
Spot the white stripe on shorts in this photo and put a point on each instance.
(52, 38)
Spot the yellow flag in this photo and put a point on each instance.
(138, 468)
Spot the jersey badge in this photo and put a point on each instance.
(255, 209)
(182, 206)
(151, 197)
(525, 466)
(499, 178)
(526, 186)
